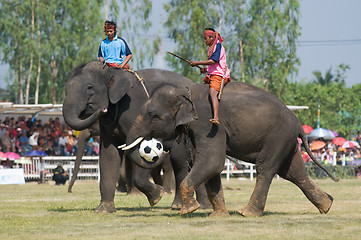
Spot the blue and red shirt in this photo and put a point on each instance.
(114, 51)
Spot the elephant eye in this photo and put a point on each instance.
(153, 115)
(90, 89)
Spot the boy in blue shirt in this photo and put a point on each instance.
(114, 51)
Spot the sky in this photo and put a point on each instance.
(329, 21)
(330, 36)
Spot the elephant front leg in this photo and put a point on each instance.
(109, 162)
(216, 196)
(189, 203)
(154, 192)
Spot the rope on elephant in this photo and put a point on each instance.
(139, 79)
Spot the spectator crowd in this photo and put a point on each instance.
(22, 136)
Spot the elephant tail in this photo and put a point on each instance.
(308, 150)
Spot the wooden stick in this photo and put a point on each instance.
(182, 58)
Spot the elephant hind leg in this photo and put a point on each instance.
(257, 202)
(267, 164)
(296, 173)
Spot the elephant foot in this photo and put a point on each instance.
(105, 207)
(250, 212)
(177, 204)
(326, 204)
(219, 214)
(156, 195)
(190, 207)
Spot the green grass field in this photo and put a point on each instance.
(46, 211)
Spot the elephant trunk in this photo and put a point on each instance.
(84, 137)
(71, 116)
(133, 136)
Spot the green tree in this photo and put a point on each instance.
(340, 106)
(44, 40)
(185, 24)
(260, 37)
(48, 40)
(270, 38)
(135, 23)
(323, 80)
(329, 77)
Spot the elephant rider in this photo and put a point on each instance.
(216, 68)
(113, 50)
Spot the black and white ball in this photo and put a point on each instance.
(151, 150)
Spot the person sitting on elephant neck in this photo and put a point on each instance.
(113, 50)
(216, 68)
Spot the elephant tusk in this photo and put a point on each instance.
(121, 146)
(132, 144)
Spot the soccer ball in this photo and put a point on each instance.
(151, 150)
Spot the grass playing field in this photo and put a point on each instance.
(46, 211)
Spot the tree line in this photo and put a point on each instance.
(43, 41)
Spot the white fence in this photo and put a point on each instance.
(247, 169)
(35, 167)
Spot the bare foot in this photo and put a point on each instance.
(214, 121)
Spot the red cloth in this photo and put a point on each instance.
(216, 37)
(108, 26)
(116, 65)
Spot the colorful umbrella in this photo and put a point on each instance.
(339, 141)
(350, 144)
(321, 133)
(307, 129)
(12, 155)
(317, 145)
(356, 162)
(35, 153)
(333, 132)
(2, 155)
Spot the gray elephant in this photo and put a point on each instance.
(255, 126)
(115, 97)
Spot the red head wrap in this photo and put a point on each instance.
(109, 26)
(217, 37)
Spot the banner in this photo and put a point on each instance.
(12, 176)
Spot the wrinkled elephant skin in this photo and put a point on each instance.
(114, 97)
(255, 127)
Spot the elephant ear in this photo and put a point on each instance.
(118, 86)
(187, 112)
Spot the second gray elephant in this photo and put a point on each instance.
(255, 127)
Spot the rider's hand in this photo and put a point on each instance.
(203, 70)
(193, 63)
